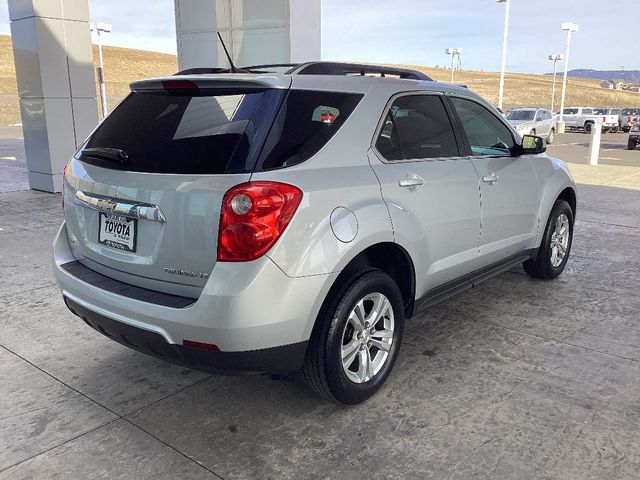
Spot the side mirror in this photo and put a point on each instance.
(533, 145)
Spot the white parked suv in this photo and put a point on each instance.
(533, 121)
(277, 222)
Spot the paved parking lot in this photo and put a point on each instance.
(574, 147)
(514, 379)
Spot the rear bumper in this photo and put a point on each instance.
(277, 359)
(246, 309)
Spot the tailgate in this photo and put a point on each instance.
(143, 196)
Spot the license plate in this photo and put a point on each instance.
(118, 232)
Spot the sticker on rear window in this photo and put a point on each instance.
(325, 114)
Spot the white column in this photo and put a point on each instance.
(57, 90)
(255, 31)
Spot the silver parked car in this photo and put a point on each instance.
(277, 222)
(533, 121)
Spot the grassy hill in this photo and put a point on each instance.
(123, 65)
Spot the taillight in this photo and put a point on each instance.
(253, 217)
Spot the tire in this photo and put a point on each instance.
(587, 127)
(323, 369)
(614, 130)
(551, 137)
(544, 265)
(631, 145)
(532, 132)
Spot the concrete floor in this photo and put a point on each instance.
(514, 379)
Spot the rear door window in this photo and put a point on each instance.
(417, 127)
(180, 134)
(306, 122)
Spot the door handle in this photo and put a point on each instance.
(412, 181)
(491, 178)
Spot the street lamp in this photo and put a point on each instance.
(99, 28)
(454, 52)
(555, 58)
(569, 28)
(505, 37)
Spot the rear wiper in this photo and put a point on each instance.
(109, 154)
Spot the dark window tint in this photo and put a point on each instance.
(520, 115)
(570, 111)
(487, 135)
(587, 111)
(305, 123)
(179, 134)
(388, 143)
(417, 127)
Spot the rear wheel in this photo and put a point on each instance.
(356, 340)
(556, 244)
(614, 130)
(587, 127)
(532, 132)
(631, 145)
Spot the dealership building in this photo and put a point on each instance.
(54, 62)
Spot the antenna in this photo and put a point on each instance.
(232, 67)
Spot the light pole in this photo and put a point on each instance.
(505, 37)
(569, 28)
(99, 28)
(454, 52)
(556, 57)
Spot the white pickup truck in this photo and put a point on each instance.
(584, 118)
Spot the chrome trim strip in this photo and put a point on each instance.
(126, 209)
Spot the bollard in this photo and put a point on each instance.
(594, 146)
(560, 127)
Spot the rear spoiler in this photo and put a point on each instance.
(201, 84)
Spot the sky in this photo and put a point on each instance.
(418, 31)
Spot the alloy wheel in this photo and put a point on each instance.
(367, 338)
(560, 240)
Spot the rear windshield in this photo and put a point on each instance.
(183, 134)
(215, 134)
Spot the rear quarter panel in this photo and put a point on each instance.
(339, 175)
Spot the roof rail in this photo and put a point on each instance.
(318, 68)
(339, 68)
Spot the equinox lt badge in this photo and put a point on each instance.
(185, 273)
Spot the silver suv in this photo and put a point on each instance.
(533, 121)
(277, 222)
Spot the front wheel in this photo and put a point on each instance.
(631, 145)
(587, 127)
(556, 244)
(551, 137)
(356, 340)
(614, 130)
